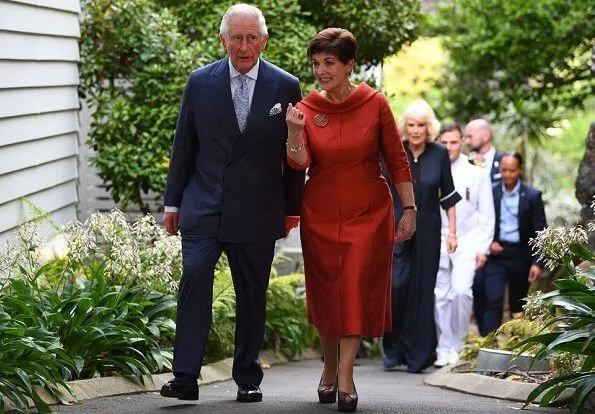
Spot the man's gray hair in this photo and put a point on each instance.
(242, 10)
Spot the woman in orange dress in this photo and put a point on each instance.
(347, 225)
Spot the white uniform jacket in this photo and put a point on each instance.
(475, 212)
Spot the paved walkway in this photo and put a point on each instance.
(291, 388)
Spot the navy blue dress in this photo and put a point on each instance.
(415, 261)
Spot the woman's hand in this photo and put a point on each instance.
(406, 227)
(295, 122)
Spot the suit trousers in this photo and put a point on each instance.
(510, 266)
(454, 300)
(250, 269)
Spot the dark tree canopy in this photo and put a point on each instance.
(136, 56)
(532, 55)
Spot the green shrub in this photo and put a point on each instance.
(136, 56)
(568, 332)
(287, 325)
(72, 310)
(30, 355)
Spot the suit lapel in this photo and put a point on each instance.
(223, 102)
(523, 207)
(265, 91)
(497, 201)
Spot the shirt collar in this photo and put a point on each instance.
(514, 191)
(252, 73)
(489, 156)
(460, 160)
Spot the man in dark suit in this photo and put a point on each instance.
(478, 138)
(519, 216)
(229, 189)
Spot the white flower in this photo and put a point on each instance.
(28, 233)
(9, 256)
(79, 242)
(552, 243)
(124, 258)
(145, 228)
(108, 225)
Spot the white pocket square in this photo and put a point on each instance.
(276, 109)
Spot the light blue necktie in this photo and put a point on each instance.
(240, 102)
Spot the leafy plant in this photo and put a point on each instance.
(66, 319)
(501, 64)
(30, 355)
(134, 64)
(569, 331)
(287, 325)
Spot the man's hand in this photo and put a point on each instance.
(451, 243)
(291, 222)
(480, 260)
(170, 221)
(495, 248)
(534, 273)
(406, 227)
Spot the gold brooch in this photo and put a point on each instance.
(320, 120)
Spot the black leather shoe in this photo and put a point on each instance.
(184, 388)
(249, 393)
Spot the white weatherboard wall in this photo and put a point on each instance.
(38, 110)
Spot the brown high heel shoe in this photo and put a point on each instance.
(347, 401)
(327, 394)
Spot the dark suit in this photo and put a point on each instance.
(495, 174)
(511, 265)
(234, 191)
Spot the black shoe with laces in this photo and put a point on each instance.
(182, 388)
(249, 393)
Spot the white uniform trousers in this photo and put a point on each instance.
(454, 300)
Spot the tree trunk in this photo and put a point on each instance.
(585, 183)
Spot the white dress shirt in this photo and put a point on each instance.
(475, 212)
(251, 77)
(234, 82)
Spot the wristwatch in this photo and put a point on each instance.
(414, 208)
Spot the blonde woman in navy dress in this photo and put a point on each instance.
(415, 261)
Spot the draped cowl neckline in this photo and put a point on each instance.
(361, 94)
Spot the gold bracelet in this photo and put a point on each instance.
(296, 148)
(452, 235)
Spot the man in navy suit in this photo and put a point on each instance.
(519, 216)
(229, 189)
(478, 137)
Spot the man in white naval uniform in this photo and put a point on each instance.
(475, 231)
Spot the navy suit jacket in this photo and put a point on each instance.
(531, 216)
(231, 186)
(495, 174)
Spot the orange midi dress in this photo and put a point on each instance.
(347, 221)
